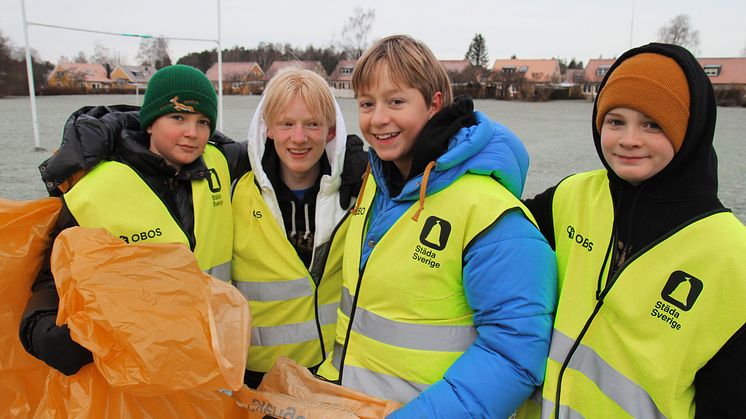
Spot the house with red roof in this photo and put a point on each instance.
(455, 66)
(594, 73)
(78, 78)
(728, 78)
(465, 78)
(341, 77)
(239, 78)
(522, 79)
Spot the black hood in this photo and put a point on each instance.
(687, 187)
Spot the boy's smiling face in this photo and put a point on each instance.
(391, 117)
(299, 139)
(179, 137)
(634, 145)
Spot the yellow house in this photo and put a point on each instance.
(78, 78)
(131, 78)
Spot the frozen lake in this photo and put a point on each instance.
(557, 136)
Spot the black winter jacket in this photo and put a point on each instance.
(91, 135)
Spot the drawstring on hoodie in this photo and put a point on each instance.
(292, 218)
(308, 224)
(423, 189)
(362, 190)
(294, 237)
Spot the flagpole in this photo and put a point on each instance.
(220, 74)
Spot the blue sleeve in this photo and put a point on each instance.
(510, 281)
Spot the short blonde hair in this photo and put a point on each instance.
(293, 83)
(410, 62)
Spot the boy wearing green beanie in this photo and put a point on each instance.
(166, 179)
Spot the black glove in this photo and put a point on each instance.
(53, 345)
(355, 163)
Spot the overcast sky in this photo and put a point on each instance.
(579, 29)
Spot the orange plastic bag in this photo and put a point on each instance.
(165, 336)
(88, 395)
(289, 390)
(24, 229)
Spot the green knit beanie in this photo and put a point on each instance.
(178, 88)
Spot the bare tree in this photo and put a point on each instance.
(154, 52)
(80, 58)
(743, 52)
(507, 84)
(679, 31)
(477, 52)
(267, 53)
(103, 55)
(355, 32)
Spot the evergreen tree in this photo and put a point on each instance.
(477, 53)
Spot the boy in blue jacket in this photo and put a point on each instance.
(448, 287)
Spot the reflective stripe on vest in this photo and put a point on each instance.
(381, 385)
(411, 320)
(632, 398)
(408, 335)
(112, 196)
(669, 310)
(292, 333)
(283, 298)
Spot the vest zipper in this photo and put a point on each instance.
(353, 308)
(570, 354)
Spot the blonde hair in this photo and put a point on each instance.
(410, 62)
(306, 85)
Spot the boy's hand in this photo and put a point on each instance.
(53, 345)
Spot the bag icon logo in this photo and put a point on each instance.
(682, 290)
(213, 181)
(435, 233)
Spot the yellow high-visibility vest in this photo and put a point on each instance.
(404, 318)
(293, 313)
(633, 349)
(112, 196)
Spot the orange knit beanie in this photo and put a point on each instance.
(654, 85)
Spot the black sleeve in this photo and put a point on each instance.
(38, 333)
(88, 138)
(720, 386)
(236, 153)
(541, 208)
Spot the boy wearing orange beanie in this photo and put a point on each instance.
(650, 317)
